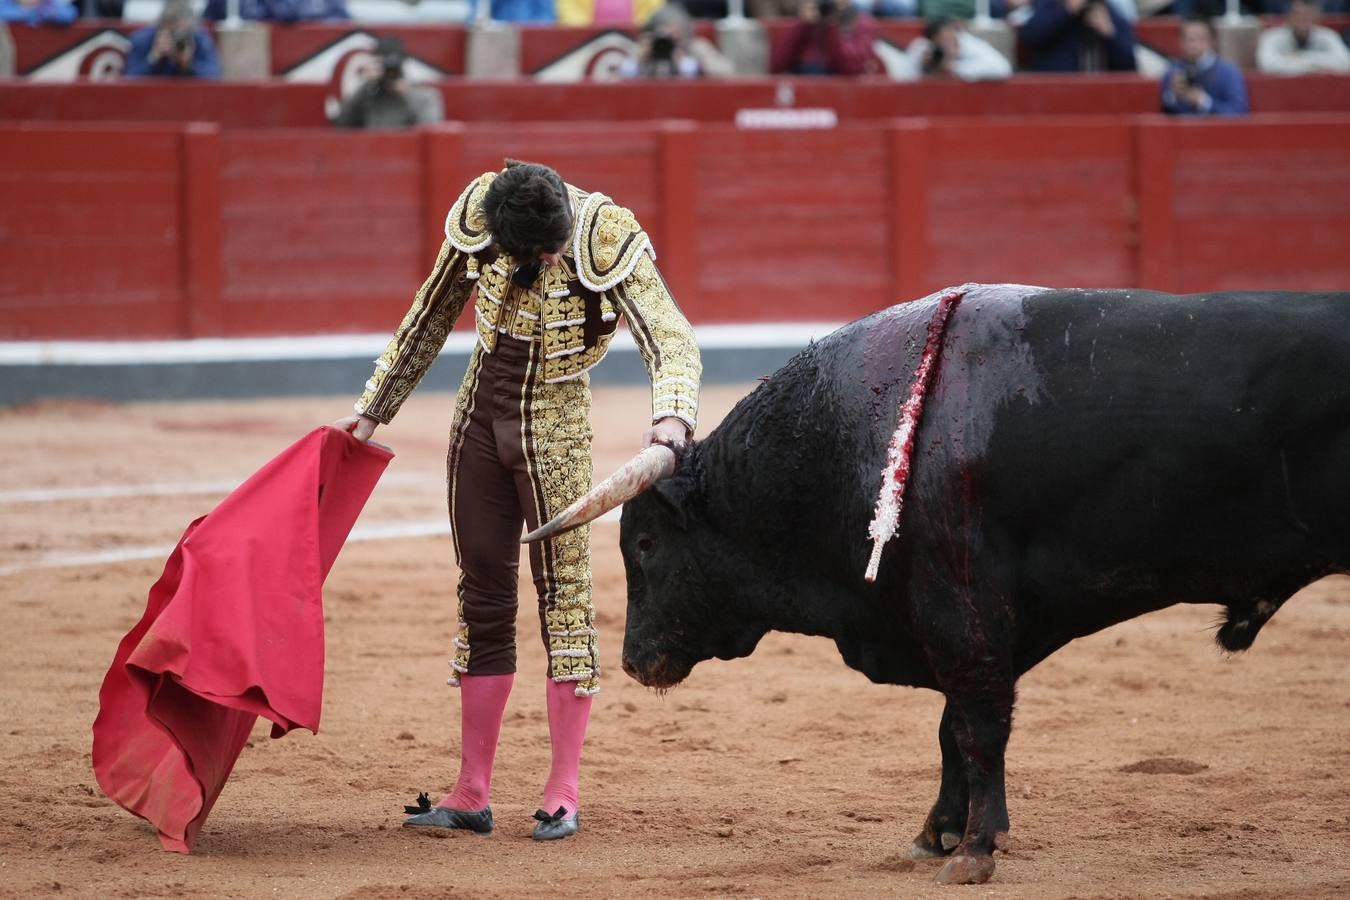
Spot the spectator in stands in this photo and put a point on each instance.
(1078, 36)
(668, 48)
(37, 12)
(1200, 83)
(176, 46)
(830, 37)
(1213, 9)
(888, 9)
(603, 12)
(948, 50)
(964, 9)
(387, 100)
(705, 9)
(280, 10)
(538, 12)
(1302, 46)
(100, 9)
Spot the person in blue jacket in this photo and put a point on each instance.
(538, 12)
(175, 46)
(280, 10)
(1200, 83)
(37, 12)
(1078, 36)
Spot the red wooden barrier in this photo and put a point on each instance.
(91, 232)
(1033, 205)
(1278, 196)
(316, 225)
(200, 231)
(790, 227)
(231, 105)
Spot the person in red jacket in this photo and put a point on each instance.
(831, 37)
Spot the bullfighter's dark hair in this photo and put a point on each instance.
(528, 211)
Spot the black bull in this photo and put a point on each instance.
(1084, 457)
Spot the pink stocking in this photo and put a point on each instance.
(567, 717)
(482, 702)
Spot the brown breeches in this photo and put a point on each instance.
(520, 453)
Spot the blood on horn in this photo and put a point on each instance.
(634, 477)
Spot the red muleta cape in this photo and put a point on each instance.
(232, 630)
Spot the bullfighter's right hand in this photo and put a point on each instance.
(359, 427)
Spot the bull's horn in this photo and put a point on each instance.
(636, 475)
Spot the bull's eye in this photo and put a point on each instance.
(645, 543)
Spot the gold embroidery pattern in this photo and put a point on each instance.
(419, 338)
(607, 243)
(560, 454)
(466, 225)
(557, 315)
(666, 342)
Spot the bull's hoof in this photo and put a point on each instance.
(966, 870)
(923, 848)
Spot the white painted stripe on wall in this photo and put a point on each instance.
(379, 531)
(351, 346)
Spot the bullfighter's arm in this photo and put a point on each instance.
(418, 341)
(614, 257)
(666, 342)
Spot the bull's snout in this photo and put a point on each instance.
(659, 672)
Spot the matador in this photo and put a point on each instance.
(549, 270)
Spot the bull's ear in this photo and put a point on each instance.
(674, 499)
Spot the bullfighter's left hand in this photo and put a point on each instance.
(667, 431)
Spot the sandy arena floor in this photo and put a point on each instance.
(1143, 762)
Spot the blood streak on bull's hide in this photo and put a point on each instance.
(894, 477)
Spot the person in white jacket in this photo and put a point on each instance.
(1301, 46)
(947, 49)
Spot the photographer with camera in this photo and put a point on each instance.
(1078, 36)
(1200, 83)
(831, 37)
(668, 48)
(948, 50)
(385, 99)
(176, 46)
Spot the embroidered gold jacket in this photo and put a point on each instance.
(608, 269)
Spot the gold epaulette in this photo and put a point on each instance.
(607, 243)
(466, 226)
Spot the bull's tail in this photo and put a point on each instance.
(1243, 623)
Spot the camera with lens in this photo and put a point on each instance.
(663, 48)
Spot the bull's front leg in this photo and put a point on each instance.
(946, 822)
(981, 723)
